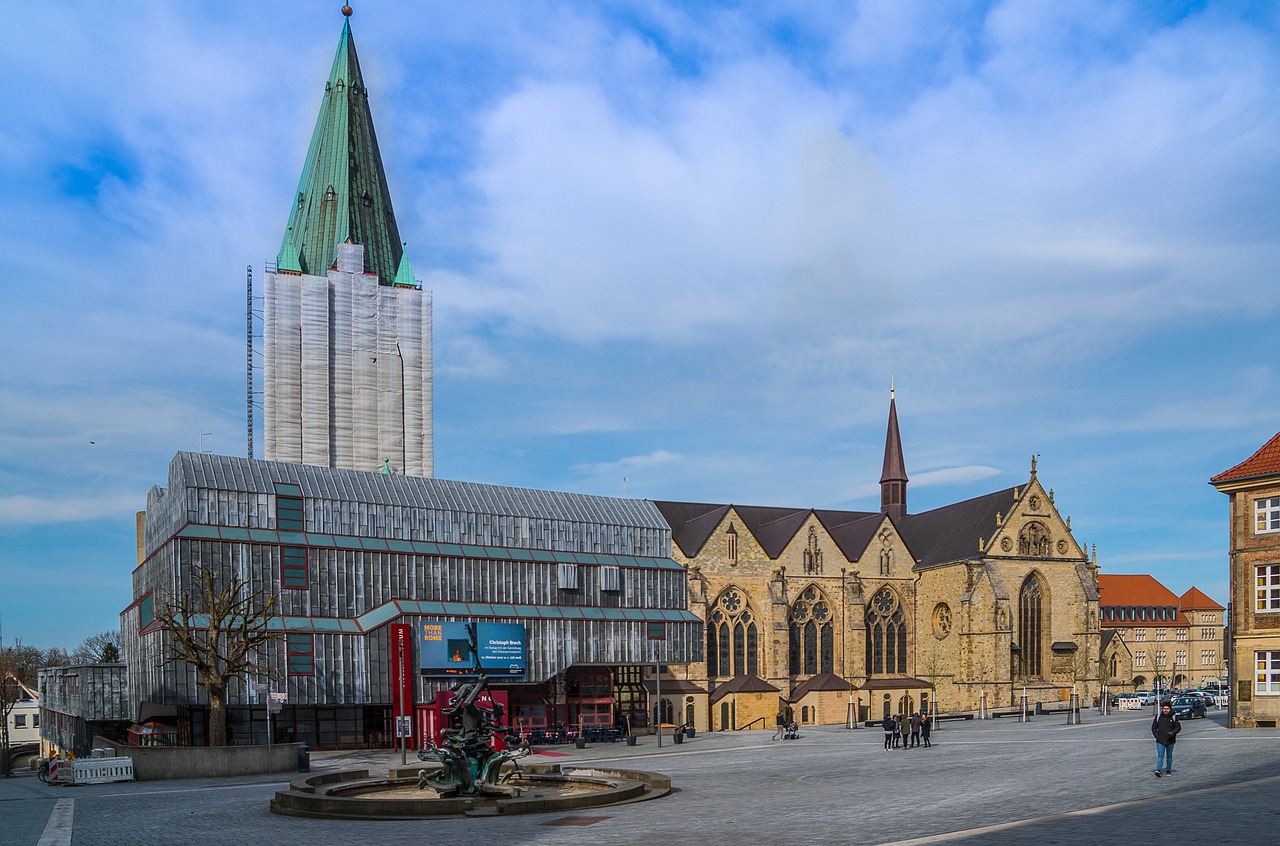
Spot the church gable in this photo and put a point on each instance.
(885, 555)
(1033, 528)
(812, 552)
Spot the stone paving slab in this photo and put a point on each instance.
(994, 782)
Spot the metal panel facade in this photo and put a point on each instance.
(502, 547)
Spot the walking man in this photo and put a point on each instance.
(1165, 728)
(916, 721)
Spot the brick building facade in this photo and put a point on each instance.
(1253, 489)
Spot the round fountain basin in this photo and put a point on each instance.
(541, 788)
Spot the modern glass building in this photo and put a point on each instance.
(360, 560)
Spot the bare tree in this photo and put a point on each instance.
(218, 627)
(11, 691)
(102, 648)
(933, 669)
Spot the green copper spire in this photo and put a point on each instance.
(287, 260)
(404, 273)
(343, 190)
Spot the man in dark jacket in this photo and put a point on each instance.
(1165, 728)
(890, 731)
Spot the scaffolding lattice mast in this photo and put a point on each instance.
(248, 341)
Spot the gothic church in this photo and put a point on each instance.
(852, 615)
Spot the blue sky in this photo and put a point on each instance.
(684, 244)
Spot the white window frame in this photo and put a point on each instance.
(1181, 634)
(568, 576)
(1266, 515)
(1266, 681)
(1140, 659)
(1139, 635)
(1162, 635)
(610, 578)
(1266, 588)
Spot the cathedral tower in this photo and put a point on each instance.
(893, 479)
(347, 329)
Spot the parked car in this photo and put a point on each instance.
(1147, 696)
(1189, 707)
(1210, 701)
(1220, 694)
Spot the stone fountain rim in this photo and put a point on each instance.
(320, 795)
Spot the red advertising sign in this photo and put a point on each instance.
(402, 671)
(431, 721)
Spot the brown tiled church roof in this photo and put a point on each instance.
(672, 685)
(741, 684)
(949, 533)
(1264, 462)
(952, 532)
(691, 523)
(820, 682)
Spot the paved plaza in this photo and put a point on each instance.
(991, 782)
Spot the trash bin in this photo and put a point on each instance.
(580, 742)
(678, 737)
(1039, 709)
(631, 740)
(304, 759)
(690, 732)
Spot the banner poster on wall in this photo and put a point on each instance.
(446, 649)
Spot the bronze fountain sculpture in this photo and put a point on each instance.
(469, 762)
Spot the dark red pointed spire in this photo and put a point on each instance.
(893, 481)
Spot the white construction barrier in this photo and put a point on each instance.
(91, 771)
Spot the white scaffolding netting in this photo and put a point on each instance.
(347, 372)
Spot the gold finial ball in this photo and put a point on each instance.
(346, 10)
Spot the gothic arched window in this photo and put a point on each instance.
(1031, 626)
(812, 634)
(732, 637)
(886, 634)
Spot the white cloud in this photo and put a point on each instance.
(952, 476)
(31, 510)
(628, 463)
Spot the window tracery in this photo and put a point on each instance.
(811, 634)
(886, 634)
(1031, 627)
(732, 637)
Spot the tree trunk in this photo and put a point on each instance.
(217, 715)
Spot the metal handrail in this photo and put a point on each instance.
(759, 720)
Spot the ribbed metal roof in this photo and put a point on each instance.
(232, 473)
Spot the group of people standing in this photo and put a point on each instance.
(903, 728)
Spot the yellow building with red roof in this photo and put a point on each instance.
(1253, 653)
(1174, 640)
